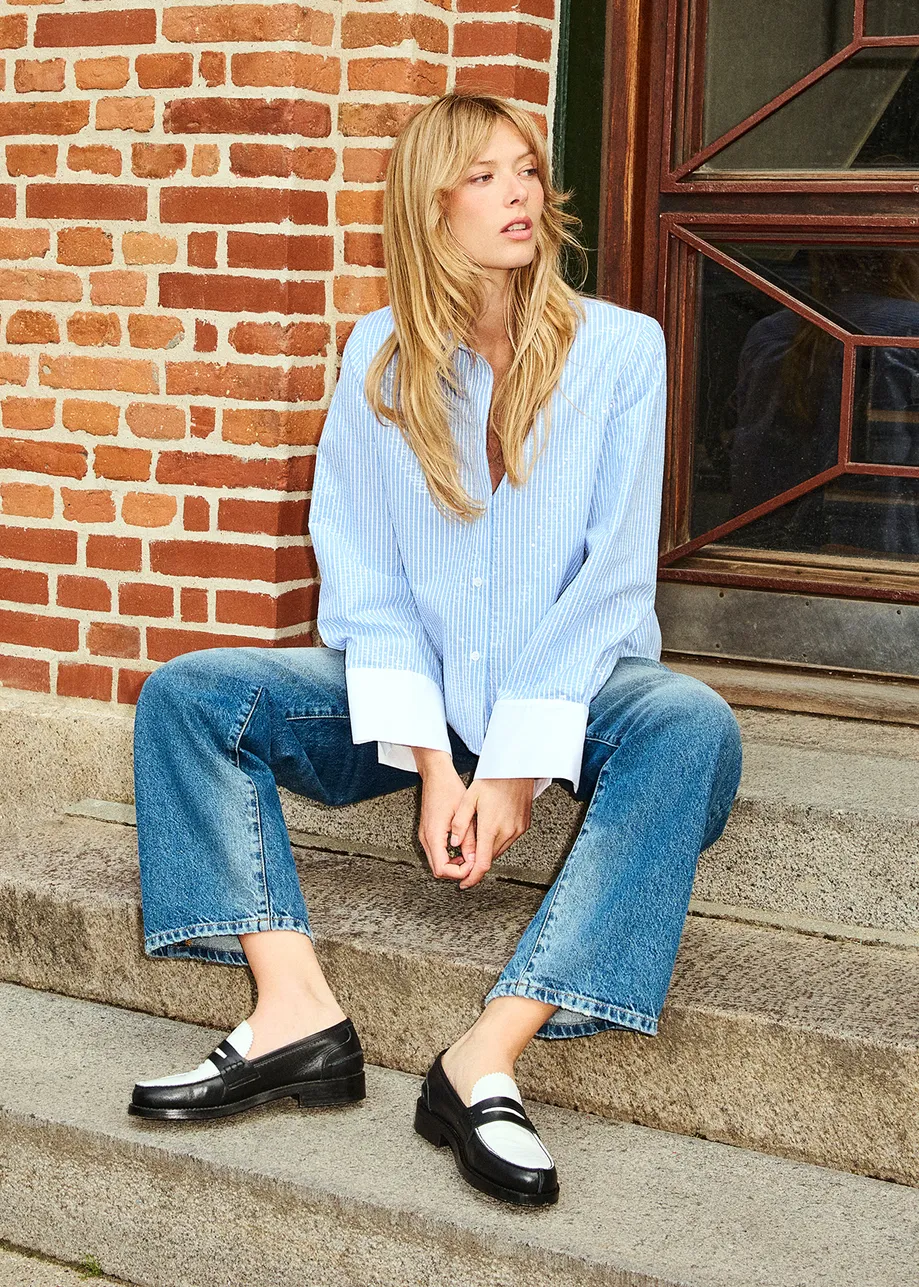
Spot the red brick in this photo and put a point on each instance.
(84, 247)
(26, 673)
(130, 683)
(363, 30)
(240, 116)
(88, 506)
(124, 374)
(112, 72)
(38, 545)
(205, 337)
(164, 643)
(84, 30)
(13, 31)
(64, 459)
(34, 75)
(202, 249)
(83, 592)
(22, 586)
(28, 326)
(193, 604)
(249, 204)
(241, 608)
(268, 518)
(203, 421)
(246, 382)
(196, 514)
(96, 158)
(215, 292)
(85, 200)
(112, 639)
(497, 39)
(293, 339)
(207, 469)
(80, 415)
(164, 71)
(157, 160)
(532, 8)
(508, 80)
(32, 118)
(127, 464)
(28, 500)
(135, 599)
(300, 253)
(397, 76)
(82, 679)
(31, 158)
(33, 630)
(24, 243)
(191, 24)
(246, 426)
(227, 561)
(94, 328)
(40, 284)
(123, 553)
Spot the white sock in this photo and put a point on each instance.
(240, 1038)
(516, 1144)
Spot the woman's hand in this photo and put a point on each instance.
(441, 793)
(497, 812)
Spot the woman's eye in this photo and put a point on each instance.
(481, 176)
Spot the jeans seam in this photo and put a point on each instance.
(565, 872)
(258, 812)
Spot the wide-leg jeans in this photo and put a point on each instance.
(218, 730)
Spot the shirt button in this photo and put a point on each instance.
(476, 580)
(474, 656)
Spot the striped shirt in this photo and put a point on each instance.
(505, 627)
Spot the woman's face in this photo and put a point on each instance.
(502, 187)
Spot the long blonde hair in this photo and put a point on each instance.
(437, 292)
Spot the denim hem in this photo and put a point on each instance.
(172, 943)
(601, 1015)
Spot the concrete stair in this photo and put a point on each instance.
(351, 1196)
(791, 1032)
(800, 1045)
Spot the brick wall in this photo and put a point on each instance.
(189, 226)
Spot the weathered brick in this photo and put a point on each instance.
(31, 159)
(85, 247)
(187, 24)
(121, 553)
(193, 604)
(83, 592)
(64, 459)
(287, 68)
(86, 201)
(96, 157)
(240, 116)
(84, 30)
(297, 252)
(397, 76)
(292, 339)
(87, 506)
(196, 514)
(30, 674)
(40, 284)
(164, 71)
(136, 599)
(148, 248)
(157, 160)
(27, 326)
(125, 113)
(83, 679)
(148, 509)
(94, 328)
(125, 464)
(253, 204)
(130, 683)
(268, 518)
(39, 75)
(164, 642)
(154, 332)
(28, 413)
(269, 428)
(39, 630)
(155, 420)
(81, 415)
(205, 337)
(113, 639)
(205, 469)
(216, 292)
(126, 374)
(28, 500)
(118, 286)
(112, 72)
(19, 585)
(30, 118)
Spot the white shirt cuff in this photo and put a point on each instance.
(540, 738)
(398, 709)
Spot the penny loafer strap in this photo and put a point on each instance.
(498, 1108)
(226, 1056)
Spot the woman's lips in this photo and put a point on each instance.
(518, 234)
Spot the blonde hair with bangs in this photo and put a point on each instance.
(437, 292)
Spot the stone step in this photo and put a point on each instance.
(351, 1197)
(826, 825)
(20, 1269)
(797, 1044)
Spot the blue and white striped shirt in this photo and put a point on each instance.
(505, 627)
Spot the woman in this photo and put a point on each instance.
(479, 611)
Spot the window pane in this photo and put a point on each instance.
(891, 18)
(885, 429)
(862, 115)
(853, 515)
(746, 65)
(768, 399)
(868, 290)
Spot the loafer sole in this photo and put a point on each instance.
(439, 1133)
(310, 1094)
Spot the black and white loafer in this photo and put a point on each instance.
(324, 1069)
(495, 1145)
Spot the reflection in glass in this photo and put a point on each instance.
(867, 290)
(853, 516)
(746, 66)
(769, 400)
(891, 18)
(864, 114)
(885, 429)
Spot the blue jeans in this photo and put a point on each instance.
(217, 730)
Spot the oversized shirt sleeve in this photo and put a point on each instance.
(393, 673)
(539, 718)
